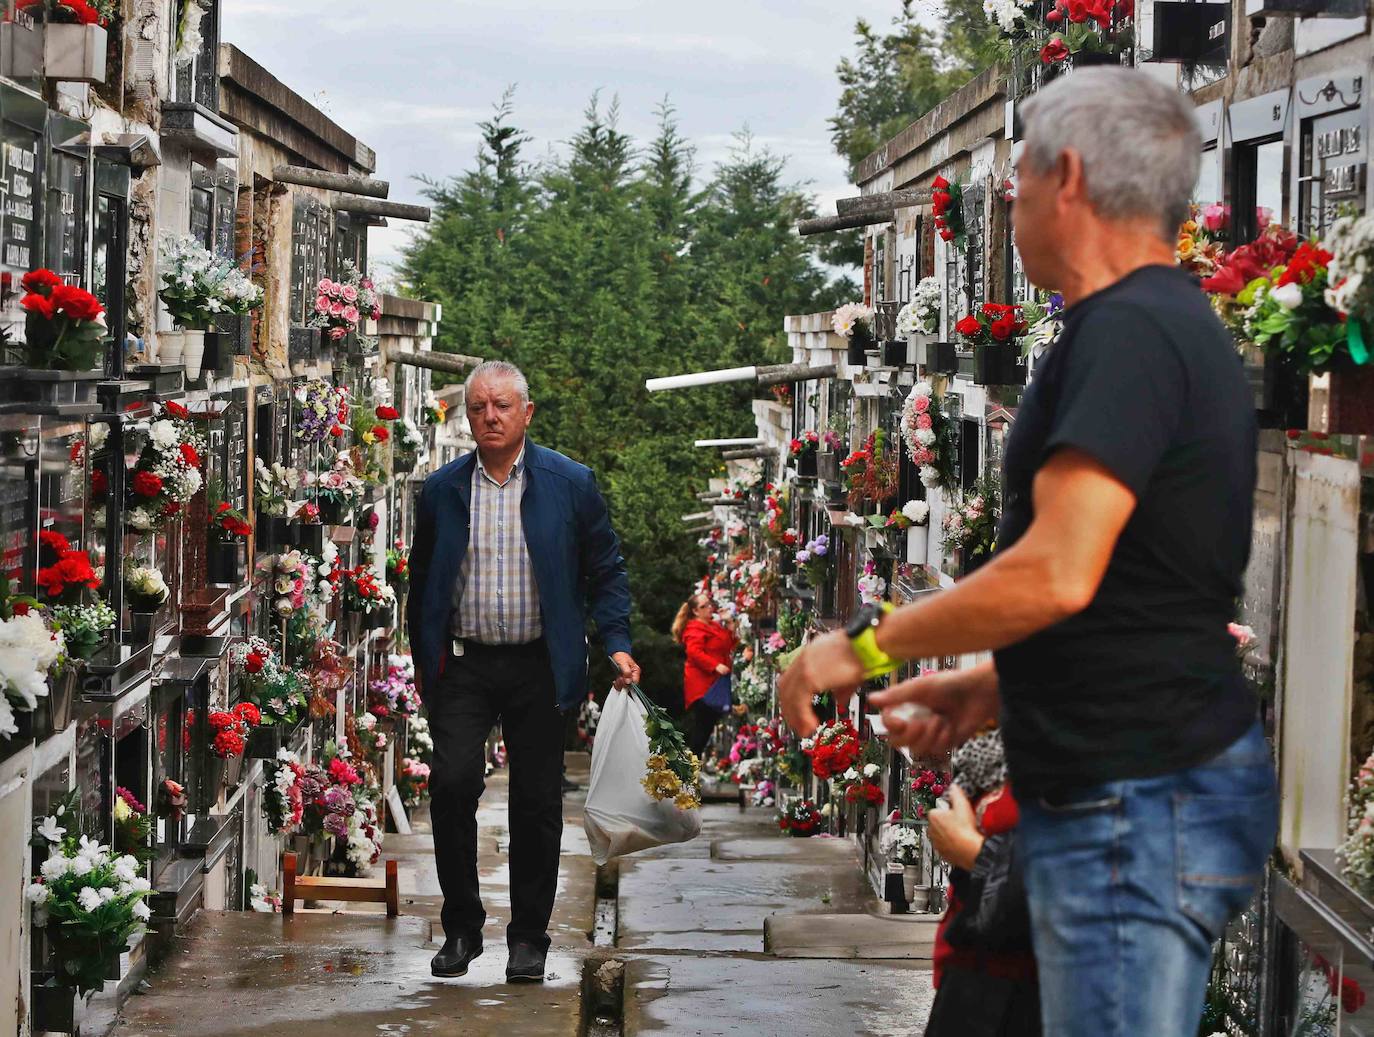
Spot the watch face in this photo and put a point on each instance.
(861, 621)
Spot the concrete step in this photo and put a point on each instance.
(909, 937)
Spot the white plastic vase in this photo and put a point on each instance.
(193, 353)
(917, 543)
(170, 345)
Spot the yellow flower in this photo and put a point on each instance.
(1185, 246)
(657, 762)
(686, 801)
(369, 438)
(1189, 228)
(122, 810)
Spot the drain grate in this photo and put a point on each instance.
(603, 997)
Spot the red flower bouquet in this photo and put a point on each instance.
(833, 749)
(946, 201)
(64, 329)
(800, 819)
(993, 323)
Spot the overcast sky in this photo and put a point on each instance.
(411, 78)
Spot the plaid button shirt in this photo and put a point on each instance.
(496, 599)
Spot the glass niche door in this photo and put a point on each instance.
(109, 255)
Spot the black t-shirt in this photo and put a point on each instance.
(1146, 380)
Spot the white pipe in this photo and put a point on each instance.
(756, 441)
(687, 381)
(699, 516)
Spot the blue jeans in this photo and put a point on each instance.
(1130, 882)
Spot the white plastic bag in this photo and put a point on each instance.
(620, 817)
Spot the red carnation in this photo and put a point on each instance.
(381, 432)
(1055, 50)
(946, 234)
(147, 484)
(968, 326)
(387, 413)
(336, 431)
(189, 455)
(176, 410)
(37, 280)
(248, 713)
(254, 662)
(54, 540)
(1054, 16)
(940, 184)
(76, 303)
(223, 507)
(39, 304)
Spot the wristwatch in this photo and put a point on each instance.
(863, 638)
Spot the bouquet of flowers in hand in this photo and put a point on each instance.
(90, 901)
(833, 748)
(341, 305)
(854, 321)
(83, 626)
(674, 770)
(921, 316)
(145, 588)
(800, 818)
(64, 326)
(168, 472)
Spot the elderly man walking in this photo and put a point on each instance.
(513, 544)
(1147, 793)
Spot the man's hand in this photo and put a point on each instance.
(954, 830)
(956, 704)
(826, 664)
(629, 669)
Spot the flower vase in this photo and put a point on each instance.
(920, 896)
(170, 345)
(917, 543)
(233, 771)
(193, 352)
(141, 626)
(911, 875)
(60, 697)
(806, 464)
(920, 348)
(855, 355)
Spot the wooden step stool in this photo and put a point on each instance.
(354, 891)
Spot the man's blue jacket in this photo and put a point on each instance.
(575, 554)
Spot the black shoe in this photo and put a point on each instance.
(454, 958)
(526, 964)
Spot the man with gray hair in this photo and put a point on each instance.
(1146, 790)
(513, 546)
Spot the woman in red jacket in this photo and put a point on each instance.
(710, 652)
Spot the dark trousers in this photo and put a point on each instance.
(513, 685)
(700, 724)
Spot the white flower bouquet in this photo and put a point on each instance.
(197, 286)
(901, 843)
(28, 649)
(145, 588)
(921, 316)
(91, 901)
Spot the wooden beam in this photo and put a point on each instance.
(888, 200)
(452, 363)
(355, 183)
(784, 374)
(828, 224)
(750, 454)
(352, 891)
(378, 207)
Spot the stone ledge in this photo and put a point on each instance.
(850, 936)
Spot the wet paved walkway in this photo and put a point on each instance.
(690, 929)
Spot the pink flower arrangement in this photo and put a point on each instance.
(340, 306)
